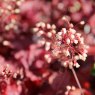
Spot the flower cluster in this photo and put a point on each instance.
(72, 90)
(67, 45)
(45, 33)
(69, 89)
(9, 11)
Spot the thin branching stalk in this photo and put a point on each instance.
(77, 80)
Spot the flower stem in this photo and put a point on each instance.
(77, 80)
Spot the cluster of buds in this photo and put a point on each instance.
(6, 73)
(18, 75)
(67, 45)
(69, 89)
(9, 11)
(45, 32)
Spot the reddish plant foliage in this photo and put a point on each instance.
(37, 43)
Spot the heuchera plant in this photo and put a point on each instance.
(38, 43)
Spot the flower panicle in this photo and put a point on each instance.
(67, 45)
